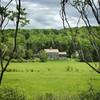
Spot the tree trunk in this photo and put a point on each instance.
(1, 76)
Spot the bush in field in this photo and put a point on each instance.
(42, 56)
(68, 68)
(90, 94)
(11, 94)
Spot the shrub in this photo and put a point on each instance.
(31, 70)
(90, 94)
(29, 54)
(11, 94)
(68, 68)
(9, 70)
(42, 56)
(36, 59)
(49, 69)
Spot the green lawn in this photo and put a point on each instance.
(58, 77)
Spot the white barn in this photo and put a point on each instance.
(54, 54)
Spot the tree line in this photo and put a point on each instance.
(31, 41)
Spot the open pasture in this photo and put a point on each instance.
(57, 77)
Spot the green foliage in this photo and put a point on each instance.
(11, 15)
(36, 59)
(30, 42)
(29, 54)
(91, 94)
(11, 94)
(43, 56)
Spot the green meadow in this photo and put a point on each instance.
(57, 77)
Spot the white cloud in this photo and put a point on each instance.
(45, 14)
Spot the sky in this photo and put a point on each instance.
(44, 14)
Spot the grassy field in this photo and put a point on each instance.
(58, 77)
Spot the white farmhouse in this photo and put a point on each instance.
(54, 54)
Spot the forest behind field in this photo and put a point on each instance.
(31, 41)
